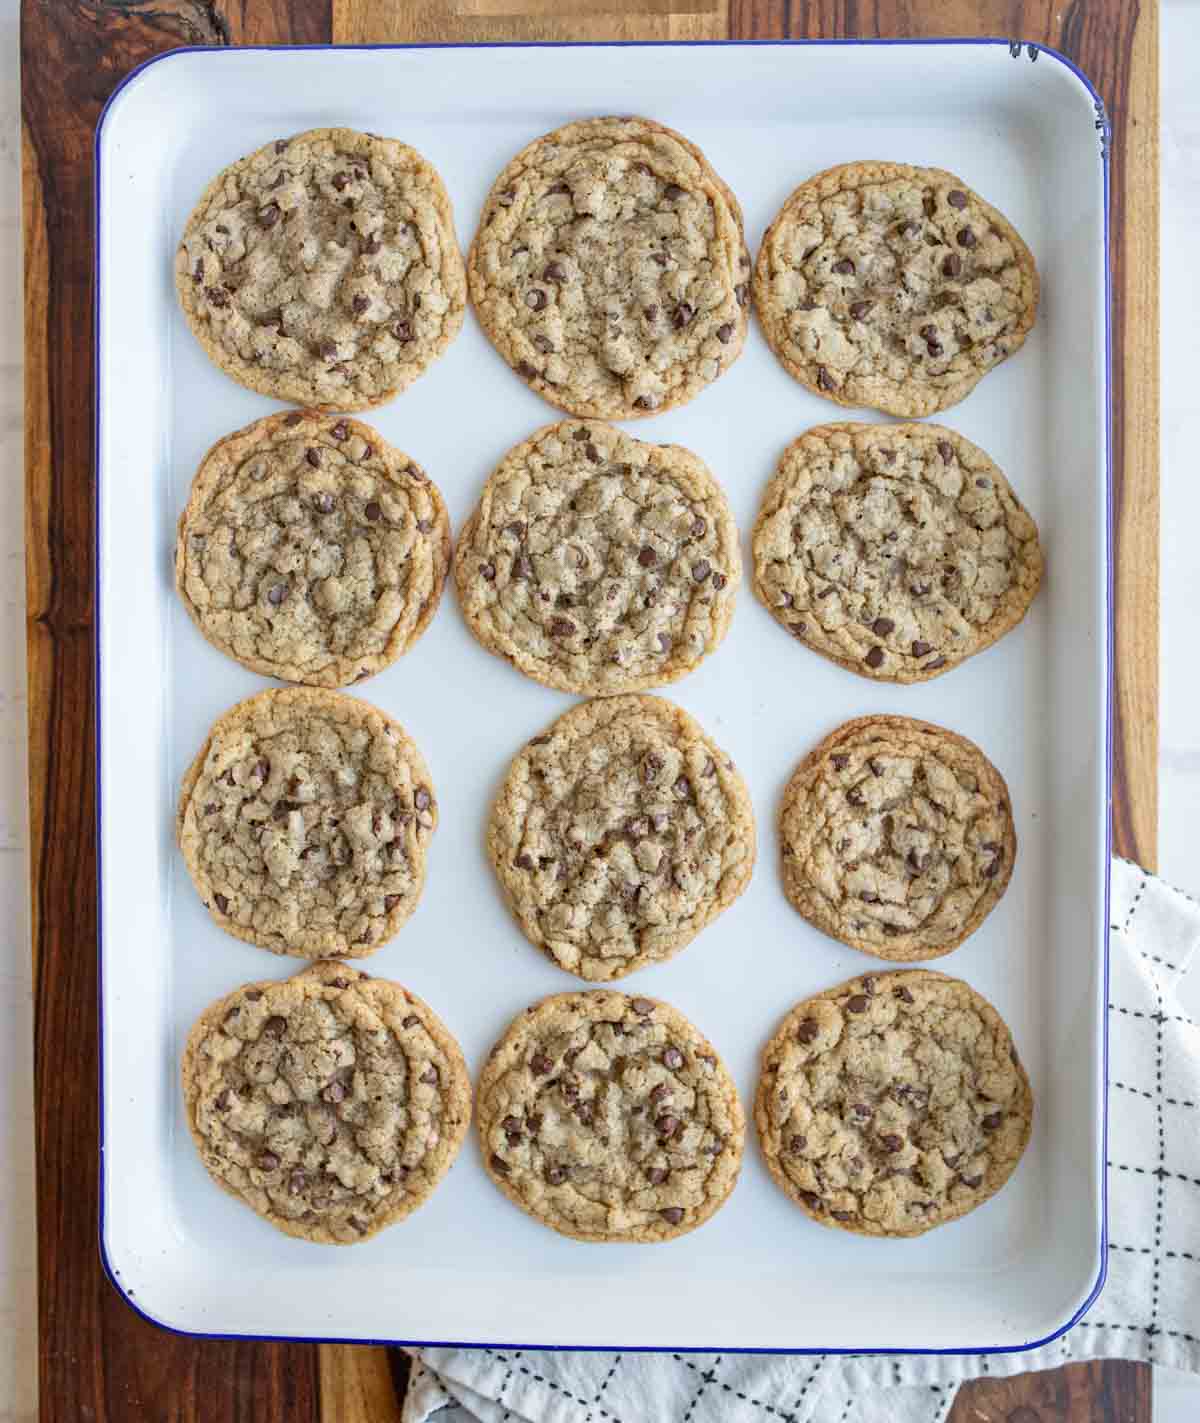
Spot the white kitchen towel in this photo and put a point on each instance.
(1149, 1310)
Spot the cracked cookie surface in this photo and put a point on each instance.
(609, 268)
(893, 287)
(610, 1118)
(893, 1103)
(332, 1104)
(304, 821)
(618, 834)
(896, 550)
(599, 563)
(897, 837)
(324, 269)
(311, 550)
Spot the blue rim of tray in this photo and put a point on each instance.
(1103, 128)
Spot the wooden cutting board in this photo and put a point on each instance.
(98, 1360)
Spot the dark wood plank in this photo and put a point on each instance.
(98, 1360)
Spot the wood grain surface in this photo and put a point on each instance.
(98, 1360)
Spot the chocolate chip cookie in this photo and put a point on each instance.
(332, 1104)
(897, 550)
(618, 834)
(894, 287)
(598, 563)
(304, 822)
(311, 550)
(609, 268)
(610, 1118)
(323, 269)
(893, 1103)
(897, 837)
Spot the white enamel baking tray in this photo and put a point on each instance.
(469, 1267)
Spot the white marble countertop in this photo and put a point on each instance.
(1177, 1398)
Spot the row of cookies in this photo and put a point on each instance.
(617, 835)
(609, 269)
(333, 1104)
(311, 550)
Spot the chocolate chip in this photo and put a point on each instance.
(903, 994)
(808, 1031)
(268, 1161)
(643, 1007)
(217, 297)
(673, 192)
(339, 180)
(561, 627)
(966, 237)
(293, 418)
(840, 762)
(540, 1064)
(825, 380)
(488, 571)
(882, 626)
(646, 402)
(372, 245)
(683, 314)
(957, 198)
(992, 1121)
(328, 351)
(725, 334)
(859, 1002)
(313, 457)
(917, 861)
(431, 1077)
(402, 331)
(499, 1164)
(555, 1175)
(269, 215)
(971, 1181)
(422, 799)
(535, 299)
(667, 1126)
(411, 1021)
(664, 642)
(868, 897)
(844, 268)
(198, 270)
(859, 309)
(874, 658)
(812, 1200)
(506, 200)
(719, 581)
(891, 1143)
(935, 664)
(861, 1112)
(742, 292)
(340, 431)
(797, 1144)
(854, 796)
(389, 902)
(672, 1215)
(359, 304)
(555, 272)
(558, 188)
(221, 902)
(842, 1215)
(934, 348)
(952, 266)
(672, 1058)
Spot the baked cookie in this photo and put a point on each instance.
(897, 550)
(609, 268)
(324, 269)
(610, 1118)
(598, 563)
(893, 1103)
(895, 287)
(897, 837)
(331, 1103)
(618, 834)
(304, 822)
(311, 550)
